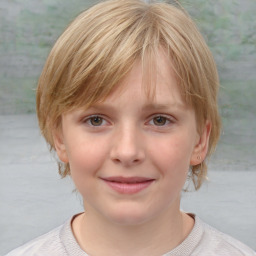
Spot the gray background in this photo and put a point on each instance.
(33, 197)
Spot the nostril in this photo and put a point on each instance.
(126, 161)
(127, 153)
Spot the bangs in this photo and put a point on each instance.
(99, 63)
(100, 47)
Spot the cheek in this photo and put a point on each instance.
(86, 157)
(172, 156)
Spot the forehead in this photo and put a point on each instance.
(156, 84)
(151, 79)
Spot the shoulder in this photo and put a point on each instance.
(213, 242)
(47, 244)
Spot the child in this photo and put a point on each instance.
(128, 100)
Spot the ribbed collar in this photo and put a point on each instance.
(184, 249)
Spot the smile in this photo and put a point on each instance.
(128, 185)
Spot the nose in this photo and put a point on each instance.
(128, 147)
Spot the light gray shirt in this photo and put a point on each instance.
(203, 240)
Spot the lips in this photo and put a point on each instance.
(128, 185)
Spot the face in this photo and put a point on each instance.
(130, 154)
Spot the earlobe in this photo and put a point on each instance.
(60, 146)
(201, 148)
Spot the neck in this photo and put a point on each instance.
(154, 237)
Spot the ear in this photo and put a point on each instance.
(60, 146)
(201, 147)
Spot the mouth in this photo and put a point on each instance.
(128, 185)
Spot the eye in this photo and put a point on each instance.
(95, 121)
(160, 121)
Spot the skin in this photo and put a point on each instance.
(132, 135)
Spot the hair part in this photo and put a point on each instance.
(100, 47)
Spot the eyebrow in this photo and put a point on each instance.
(146, 107)
(157, 106)
(102, 106)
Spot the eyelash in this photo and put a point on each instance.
(167, 120)
(88, 120)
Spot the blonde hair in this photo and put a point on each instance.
(100, 47)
